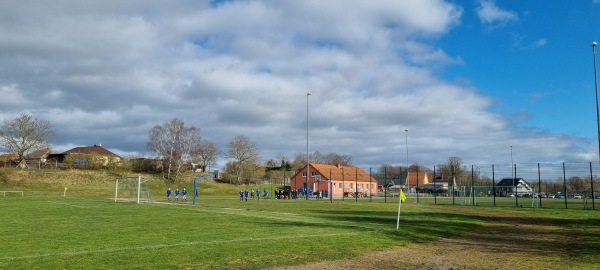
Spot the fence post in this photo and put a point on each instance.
(592, 186)
(384, 187)
(539, 185)
(516, 185)
(494, 183)
(565, 185)
(417, 184)
(434, 188)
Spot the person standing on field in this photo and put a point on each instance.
(177, 194)
(184, 198)
(241, 195)
(169, 194)
(246, 195)
(252, 194)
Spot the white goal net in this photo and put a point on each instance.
(132, 189)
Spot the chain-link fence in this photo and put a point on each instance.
(544, 185)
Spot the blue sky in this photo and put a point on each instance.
(467, 78)
(536, 59)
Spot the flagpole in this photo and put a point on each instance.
(401, 197)
(399, 208)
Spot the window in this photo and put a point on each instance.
(351, 185)
(304, 174)
(340, 185)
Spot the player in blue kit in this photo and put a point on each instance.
(184, 198)
(258, 194)
(176, 194)
(241, 195)
(169, 194)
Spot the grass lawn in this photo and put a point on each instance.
(47, 232)
(88, 230)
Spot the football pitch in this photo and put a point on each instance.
(220, 232)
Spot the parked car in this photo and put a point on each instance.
(578, 196)
(552, 196)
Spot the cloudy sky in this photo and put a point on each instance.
(466, 78)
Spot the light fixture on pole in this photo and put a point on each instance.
(594, 44)
(307, 149)
(407, 166)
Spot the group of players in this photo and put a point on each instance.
(244, 194)
(183, 193)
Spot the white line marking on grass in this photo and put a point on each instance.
(68, 204)
(158, 246)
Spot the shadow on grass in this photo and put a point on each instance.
(519, 235)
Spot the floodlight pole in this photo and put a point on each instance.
(407, 166)
(596, 87)
(594, 44)
(307, 148)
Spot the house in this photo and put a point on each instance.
(513, 186)
(416, 180)
(40, 155)
(441, 183)
(89, 154)
(338, 180)
(9, 158)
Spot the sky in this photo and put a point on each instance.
(486, 81)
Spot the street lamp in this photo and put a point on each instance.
(407, 166)
(596, 84)
(597, 116)
(307, 153)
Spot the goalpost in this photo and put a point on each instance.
(132, 188)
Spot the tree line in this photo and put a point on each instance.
(178, 146)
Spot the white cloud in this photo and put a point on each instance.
(490, 13)
(106, 73)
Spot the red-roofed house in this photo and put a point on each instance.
(424, 180)
(9, 158)
(82, 154)
(336, 179)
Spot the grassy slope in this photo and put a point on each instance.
(87, 230)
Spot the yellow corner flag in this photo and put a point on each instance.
(402, 196)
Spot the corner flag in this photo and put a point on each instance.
(402, 196)
(401, 199)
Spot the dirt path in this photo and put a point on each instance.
(503, 243)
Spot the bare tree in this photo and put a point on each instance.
(245, 155)
(175, 144)
(24, 135)
(208, 153)
(453, 167)
(335, 158)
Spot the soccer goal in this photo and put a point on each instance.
(132, 189)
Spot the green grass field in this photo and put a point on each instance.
(88, 230)
(219, 232)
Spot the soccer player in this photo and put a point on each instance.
(252, 194)
(258, 194)
(176, 194)
(169, 194)
(184, 195)
(241, 195)
(246, 195)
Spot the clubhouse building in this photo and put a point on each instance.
(338, 180)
